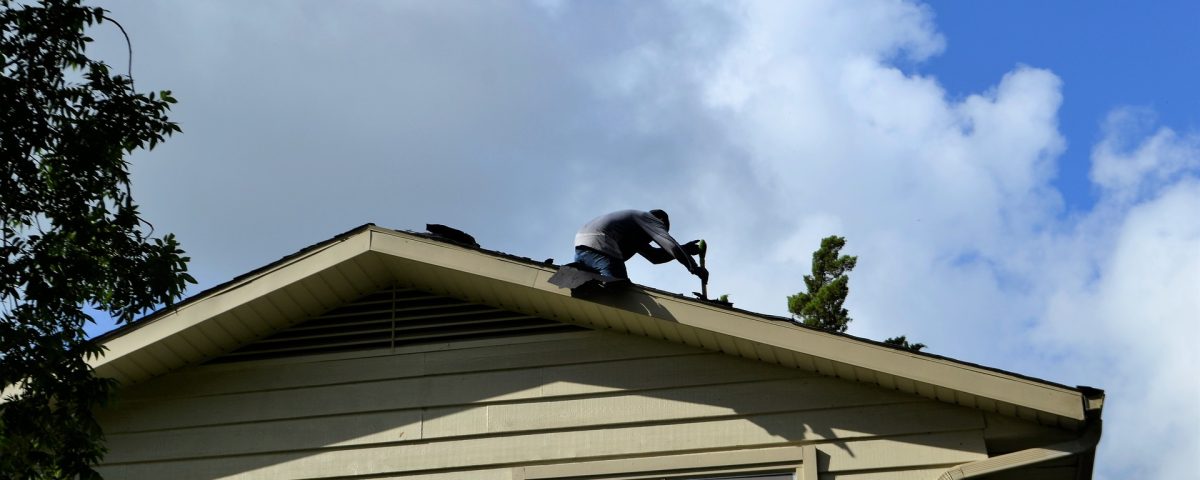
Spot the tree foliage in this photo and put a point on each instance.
(828, 285)
(72, 235)
(822, 305)
(902, 342)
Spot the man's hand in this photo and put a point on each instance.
(702, 273)
(692, 247)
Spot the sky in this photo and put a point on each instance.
(1020, 181)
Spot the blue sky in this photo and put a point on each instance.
(1019, 180)
(1109, 53)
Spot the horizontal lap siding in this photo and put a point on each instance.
(903, 474)
(460, 357)
(473, 412)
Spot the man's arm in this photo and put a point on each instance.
(658, 233)
(657, 255)
(654, 254)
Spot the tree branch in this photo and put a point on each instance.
(129, 45)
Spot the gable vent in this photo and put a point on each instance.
(391, 318)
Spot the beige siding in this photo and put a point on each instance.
(903, 474)
(476, 410)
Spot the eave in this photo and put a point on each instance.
(368, 258)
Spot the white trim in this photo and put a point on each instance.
(1031, 456)
(841, 349)
(668, 312)
(215, 303)
(808, 470)
(764, 460)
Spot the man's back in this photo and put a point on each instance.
(620, 234)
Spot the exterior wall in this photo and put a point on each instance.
(482, 409)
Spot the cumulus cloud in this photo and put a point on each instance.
(962, 239)
(761, 127)
(1129, 322)
(1130, 164)
(829, 133)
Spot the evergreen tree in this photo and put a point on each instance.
(821, 306)
(902, 342)
(72, 236)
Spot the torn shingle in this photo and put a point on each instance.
(452, 235)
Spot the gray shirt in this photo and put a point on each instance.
(624, 233)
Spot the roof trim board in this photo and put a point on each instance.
(521, 284)
(658, 307)
(171, 323)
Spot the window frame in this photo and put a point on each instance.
(802, 460)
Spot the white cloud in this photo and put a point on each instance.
(960, 235)
(931, 193)
(1130, 322)
(761, 127)
(1127, 171)
(797, 249)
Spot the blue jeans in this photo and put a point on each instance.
(606, 265)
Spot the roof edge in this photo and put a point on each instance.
(232, 283)
(986, 382)
(777, 332)
(1082, 390)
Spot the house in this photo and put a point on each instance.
(387, 354)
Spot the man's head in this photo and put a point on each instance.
(661, 215)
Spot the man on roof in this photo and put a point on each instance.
(606, 242)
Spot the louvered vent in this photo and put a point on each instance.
(391, 318)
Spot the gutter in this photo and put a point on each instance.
(1093, 402)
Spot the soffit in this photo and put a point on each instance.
(522, 286)
(251, 307)
(305, 285)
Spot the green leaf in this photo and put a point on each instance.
(72, 235)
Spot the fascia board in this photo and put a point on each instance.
(453, 257)
(194, 313)
(934, 371)
(845, 350)
(944, 373)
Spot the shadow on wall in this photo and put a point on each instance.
(557, 396)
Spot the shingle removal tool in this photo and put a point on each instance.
(703, 294)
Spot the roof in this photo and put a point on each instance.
(367, 258)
